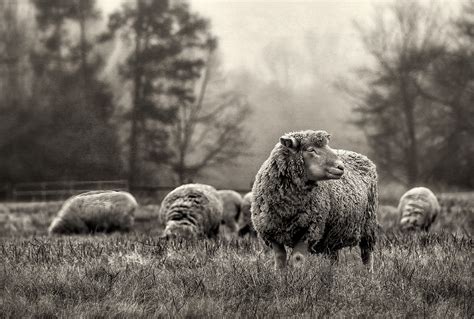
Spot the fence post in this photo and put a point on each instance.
(43, 191)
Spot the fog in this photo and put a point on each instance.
(285, 56)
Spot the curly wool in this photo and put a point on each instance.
(193, 206)
(418, 206)
(232, 202)
(329, 215)
(95, 211)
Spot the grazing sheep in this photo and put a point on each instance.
(95, 211)
(245, 221)
(191, 211)
(418, 209)
(313, 198)
(232, 202)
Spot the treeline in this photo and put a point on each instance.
(61, 120)
(414, 100)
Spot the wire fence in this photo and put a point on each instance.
(45, 191)
(61, 190)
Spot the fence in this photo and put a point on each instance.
(60, 190)
(47, 191)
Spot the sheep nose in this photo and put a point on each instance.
(340, 165)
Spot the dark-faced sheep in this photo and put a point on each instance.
(95, 211)
(245, 220)
(312, 198)
(191, 211)
(418, 209)
(232, 202)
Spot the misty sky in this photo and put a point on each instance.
(319, 42)
(248, 29)
(245, 28)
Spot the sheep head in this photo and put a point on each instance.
(180, 229)
(320, 161)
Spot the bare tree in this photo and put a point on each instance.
(404, 42)
(211, 130)
(449, 86)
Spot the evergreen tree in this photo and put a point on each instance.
(166, 58)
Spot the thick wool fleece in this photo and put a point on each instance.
(232, 202)
(95, 211)
(418, 208)
(197, 206)
(329, 215)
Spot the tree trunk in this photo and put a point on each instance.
(411, 160)
(133, 167)
(83, 44)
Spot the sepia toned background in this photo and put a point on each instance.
(158, 93)
(145, 95)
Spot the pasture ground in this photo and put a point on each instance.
(138, 275)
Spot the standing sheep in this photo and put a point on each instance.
(95, 211)
(418, 209)
(191, 211)
(232, 202)
(313, 198)
(245, 221)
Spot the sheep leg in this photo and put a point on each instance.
(232, 225)
(244, 230)
(367, 259)
(333, 256)
(366, 246)
(279, 252)
(298, 258)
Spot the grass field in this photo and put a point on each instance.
(139, 275)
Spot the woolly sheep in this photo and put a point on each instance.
(95, 211)
(245, 221)
(312, 198)
(418, 209)
(232, 202)
(191, 211)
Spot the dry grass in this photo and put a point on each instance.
(139, 275)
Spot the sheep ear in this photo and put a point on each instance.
(289, 142)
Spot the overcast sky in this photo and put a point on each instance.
(246, 27)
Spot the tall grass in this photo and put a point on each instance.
(428, 275)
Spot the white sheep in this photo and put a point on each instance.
(95, 211)
(191, 211)
(312, 198)
(418, 209)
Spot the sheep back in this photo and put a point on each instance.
(196, 207)
(418, 209)
(95, 211)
